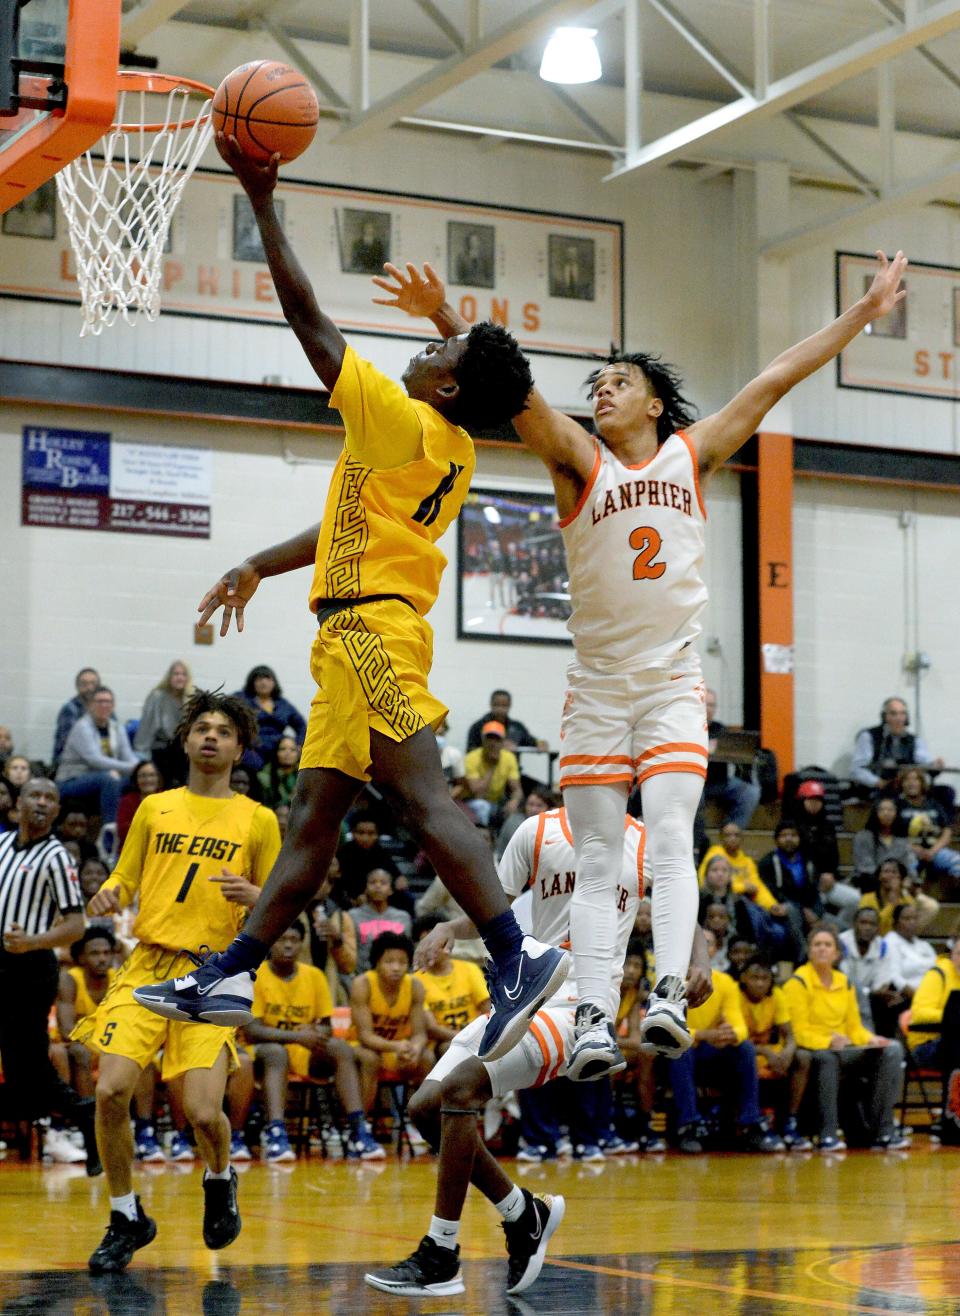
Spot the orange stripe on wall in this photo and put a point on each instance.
(775, 535)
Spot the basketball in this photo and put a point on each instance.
(269, 107)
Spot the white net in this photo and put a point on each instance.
(119, 201)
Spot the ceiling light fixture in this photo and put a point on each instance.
(571, 56)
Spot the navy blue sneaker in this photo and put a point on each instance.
(541, 970)
(205, 995)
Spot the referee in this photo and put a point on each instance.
(40, 907)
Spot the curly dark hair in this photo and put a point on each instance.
(389, 941)
(666, 383)
(231, 706)
(494, 377)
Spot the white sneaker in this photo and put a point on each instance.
(665, 1024)
(594, 1053)
(58, 1148)
(413, 1133)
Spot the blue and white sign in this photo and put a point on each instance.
(78, 460)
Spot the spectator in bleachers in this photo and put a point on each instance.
(85, 683)
(388, 1015)
(893, 889)
(18, 770)
(451, 761)
(939, 1050)
(97, 758)
(721, 1056)
(716, 919)
(818, 841)
(872, 969)
(278, 779)
(537, 802)
(881, 751)
(377, 915)
(826, 1021)
(8, 801)
(743, 870)
(752, 905)
(493, 777)
(791, 876)
(515, 733)
(740, 952)
(74, 825)
(292, 1034)
(243, 781)
(737, 798)
(455, 992)
(145, 780)
(333, 938)
(767, 1016)
(884, 836)
(911, 954)
(640, 1071)
(156, 734)
(6, 744)
(274, 714)
(928, 827)
(361, 854)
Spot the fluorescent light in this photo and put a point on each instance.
(492, 515)
(571, 56)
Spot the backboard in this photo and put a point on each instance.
(58, 86)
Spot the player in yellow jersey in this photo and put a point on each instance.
(398, 485)
(387, 1007)
(182, 847)
(454, 990)
(81, 989)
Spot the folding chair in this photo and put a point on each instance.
(918, 1075)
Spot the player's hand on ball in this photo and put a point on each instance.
(431, 948)
(258, 180)
(885, 291)
(232, 592)
(106, 901)
(418, 292)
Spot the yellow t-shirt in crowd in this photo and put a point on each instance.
(930, 998)
(743, 871)
(84, 1003)
(817, 1012)
(455, 999)
(506, 772)
(177, 842)
(391, 1022)
(723, 1007)
(291, 1003)
(398, 485)
(872, 901)
(761, 1017)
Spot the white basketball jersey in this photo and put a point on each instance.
(540, 858)
(634, 557)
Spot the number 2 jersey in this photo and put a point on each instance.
(177, 842)
(540, 858)
(635, 545)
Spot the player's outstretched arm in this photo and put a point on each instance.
(718, 437)
(319, 337)
(236, 587)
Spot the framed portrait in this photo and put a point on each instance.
(471, 254)
(511, 569)
(571, 263)
(893, 325)
(364, 240)
(246, 236)
(35, 216)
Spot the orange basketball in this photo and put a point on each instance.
(268, 107)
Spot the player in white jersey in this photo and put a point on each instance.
(540, 859)
(632, 514)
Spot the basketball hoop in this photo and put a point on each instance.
(119, 202)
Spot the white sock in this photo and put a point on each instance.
(596, 819)
(670, 802)
(444, 1232)
(126, 1204)
(513, 1205)
(216, 1174)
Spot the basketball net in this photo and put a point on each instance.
(119, 202)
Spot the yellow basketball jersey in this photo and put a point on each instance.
(291, 1003)
(455, 999)
(85, 1004)
(381, 522)
(177, 842)
(391, 1022)
(761, 1017)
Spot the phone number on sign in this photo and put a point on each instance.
(160, 518)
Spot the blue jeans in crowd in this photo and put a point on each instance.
(99, 786)
(732, 1069)
(586, 1109)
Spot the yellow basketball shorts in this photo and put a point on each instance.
(121, 1027)
(371, 665)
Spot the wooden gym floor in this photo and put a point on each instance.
(731, 1235)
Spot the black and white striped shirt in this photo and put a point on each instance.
(38, 881)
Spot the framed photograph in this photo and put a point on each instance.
(364, 240)
(246, 236)
(511, 569)
(35, 216)
(572, 264)
(471, 254)
(893, 325)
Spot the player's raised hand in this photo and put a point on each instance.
(232, 592)
(885, 291)
(418, 292)
(258, 180)
(106, 901)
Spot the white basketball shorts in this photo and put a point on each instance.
(624, 727)
(539, 1057)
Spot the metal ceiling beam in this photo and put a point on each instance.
(294, 52)
(457, 69)
(359, 56)
(761, 48)
(512, 135)
(439, 19)
(891, 11)
(140, 22)
(592, 125)
(933, 22)
(907, 195)
(702, 46)
(860, 180)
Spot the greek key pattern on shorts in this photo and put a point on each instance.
(350, 534)
(377, 677)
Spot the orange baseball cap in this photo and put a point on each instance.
(493, 729)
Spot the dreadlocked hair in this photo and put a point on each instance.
(494, 378)
(231, 706)
(665, 382)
